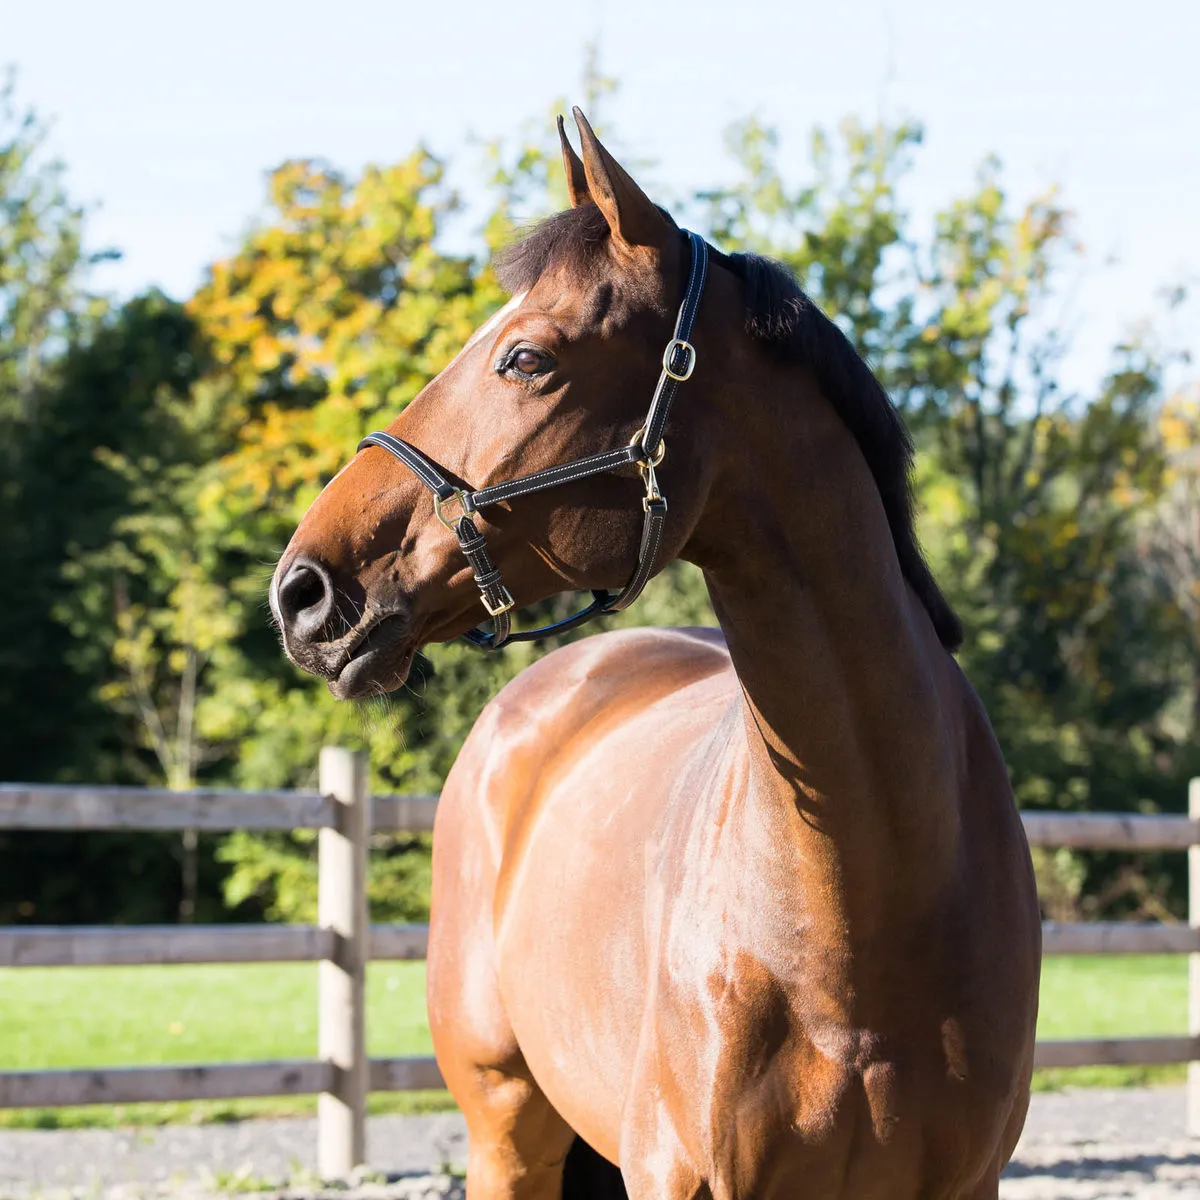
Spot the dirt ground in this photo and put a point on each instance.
(1090, 1144)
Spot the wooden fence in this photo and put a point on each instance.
(343, 941)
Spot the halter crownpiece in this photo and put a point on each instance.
(645, 451)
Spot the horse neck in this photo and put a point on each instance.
(845, 683)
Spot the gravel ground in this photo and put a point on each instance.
(1089, 1144)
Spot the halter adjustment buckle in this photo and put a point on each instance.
(669, 359)
(507, 603)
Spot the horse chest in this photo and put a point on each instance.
(777, 1057)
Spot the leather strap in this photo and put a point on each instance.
(679, 359)
(422, 467)
(645, 451)
(492, 592)
(652, 531)
(581, 468)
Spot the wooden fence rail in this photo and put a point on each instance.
(49, 807)
(342, 942)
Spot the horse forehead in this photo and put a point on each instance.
(491, 323)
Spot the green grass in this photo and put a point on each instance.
(127, 1016)
(1112, 996)
(56, 1017)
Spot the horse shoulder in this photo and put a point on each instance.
(557, 706)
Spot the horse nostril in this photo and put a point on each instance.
(302, 589)
(305, 598)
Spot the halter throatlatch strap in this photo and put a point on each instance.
(645, 451)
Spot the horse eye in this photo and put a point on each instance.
(527, 362)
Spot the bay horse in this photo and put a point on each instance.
(749, 913)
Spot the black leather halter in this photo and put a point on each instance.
(645, 451)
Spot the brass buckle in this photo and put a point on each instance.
(458, 495)
(507, 604)
(669, 353)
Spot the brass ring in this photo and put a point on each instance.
(636, 440)
(459, 495)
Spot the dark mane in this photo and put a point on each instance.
(779, 314)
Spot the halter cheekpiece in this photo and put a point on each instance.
(645, 451)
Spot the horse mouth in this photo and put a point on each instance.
(379, 661)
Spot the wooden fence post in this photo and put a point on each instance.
(1193, 1084)
(342, 907)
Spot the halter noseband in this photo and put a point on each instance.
(645, 451)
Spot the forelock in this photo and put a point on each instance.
(574, 239)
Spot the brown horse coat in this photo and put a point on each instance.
(751, 914)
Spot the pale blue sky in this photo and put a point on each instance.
(168, 115)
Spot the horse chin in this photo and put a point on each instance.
(379, 664)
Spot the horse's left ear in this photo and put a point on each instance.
(632, 218)
(577, 186)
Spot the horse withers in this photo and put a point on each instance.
(748, 913)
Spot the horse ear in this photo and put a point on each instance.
(632, 218)
(577, 185)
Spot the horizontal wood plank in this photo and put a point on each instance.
(135, 1085)
(41, 806)
(403, 813)
(225, 1081)
(218, 1081)
(1110, 831)
(405, 1075)
(80, 946)
(137, 945)
(1119, 1052)
(1119, 937)
(44, 806)
(398, 942)
(134, 945)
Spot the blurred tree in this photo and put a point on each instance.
(113, 439)
(335, 313)
(43, 305)
(842, 232)
(43, 302)
(1170, 537)
(108, 409)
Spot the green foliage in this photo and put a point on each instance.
(42, 299)
(841, 232)
(278, 872)
(43, 306)
(333, 315)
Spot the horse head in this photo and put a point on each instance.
(382, 562)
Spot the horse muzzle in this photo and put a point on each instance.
(357, 654)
